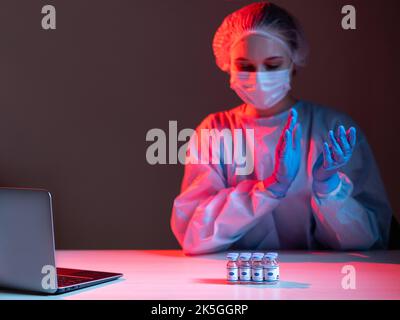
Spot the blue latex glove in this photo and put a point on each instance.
(334, 156)
(287, 157)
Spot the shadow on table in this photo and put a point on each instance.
(11, 294)
(281, 284)
(388, 257)
(382, 256)
(166, 253)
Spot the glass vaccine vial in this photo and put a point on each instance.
(232, 268)
(244, 268)
(271, 268)
(257, 269)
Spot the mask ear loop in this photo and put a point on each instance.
(292, 70)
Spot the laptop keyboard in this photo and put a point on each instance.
(71, 277)
(65, 281)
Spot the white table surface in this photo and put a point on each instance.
(170, 275)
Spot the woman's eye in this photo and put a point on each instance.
(272, 67)
(247, 68)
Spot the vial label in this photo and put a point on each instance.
(245, 274)
(257, 275)
(271, 274)
(232, 274)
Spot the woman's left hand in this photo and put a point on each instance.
(335, 155)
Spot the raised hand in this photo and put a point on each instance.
(287, 157)
(334, 156)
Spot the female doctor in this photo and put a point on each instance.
(315, 183)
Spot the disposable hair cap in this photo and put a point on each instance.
(262, 18)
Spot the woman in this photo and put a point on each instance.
(315, 182)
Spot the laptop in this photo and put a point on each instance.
(27, 251)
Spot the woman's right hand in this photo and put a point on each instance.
(287, 157)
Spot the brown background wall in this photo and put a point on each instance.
(77, 102)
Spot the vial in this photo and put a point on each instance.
(271, 268)
(244, 267)
(232, 268)
(257, 272)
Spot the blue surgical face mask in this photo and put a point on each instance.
(263, 90)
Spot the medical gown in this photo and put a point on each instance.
(219, 209)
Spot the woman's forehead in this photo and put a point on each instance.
(256, 47)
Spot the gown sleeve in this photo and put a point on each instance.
(357, 215)
(209, 215)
